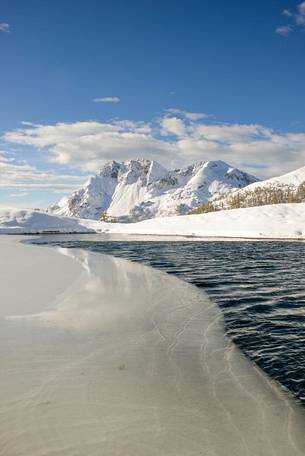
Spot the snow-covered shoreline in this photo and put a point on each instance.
(280, 221)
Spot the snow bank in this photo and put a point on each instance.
(283, 221)
(27, 221)
(274, 221)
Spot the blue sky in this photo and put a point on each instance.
(99, 80)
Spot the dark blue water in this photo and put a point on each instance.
(260, 287)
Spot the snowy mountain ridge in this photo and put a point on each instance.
(292, 179)
(288, 188)
(140, 189)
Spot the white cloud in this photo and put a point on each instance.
(187, 115)
(297, 20)
(284, 30)
(300, 16)
(4, 27)
(171, 140)
(173, 126)
(18, 195)
(107, 100)
(87, 145)
(21, 175)
(229, 133)
(287, 13)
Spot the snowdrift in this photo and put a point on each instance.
(27, 221)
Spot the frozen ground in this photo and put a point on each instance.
(283, 221)
(127, 361)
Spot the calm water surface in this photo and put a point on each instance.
(260, 287)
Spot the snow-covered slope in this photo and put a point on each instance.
(278, 188)
(292, 179)
(283, 221)
(27, 221)
(141, 189)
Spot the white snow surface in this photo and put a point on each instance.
(283, 221)
(28, 221)
(292, 180)
(141, 189)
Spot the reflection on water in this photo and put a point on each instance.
(260, 287)
(130, 361)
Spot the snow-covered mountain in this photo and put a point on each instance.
(293, 179)
(288, 188)
(141, 189)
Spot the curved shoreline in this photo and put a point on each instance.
(131, 361)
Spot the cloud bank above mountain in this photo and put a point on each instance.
(19, 175)
(175, 139)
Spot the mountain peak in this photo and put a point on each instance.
(138, 189)
(109, 169)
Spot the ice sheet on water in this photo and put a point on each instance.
(131, 361)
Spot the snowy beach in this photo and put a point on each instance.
(103, 356)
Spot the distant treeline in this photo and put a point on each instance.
(260, 196)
